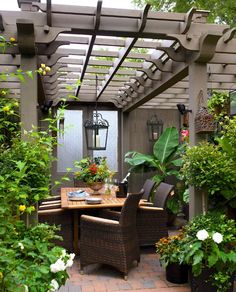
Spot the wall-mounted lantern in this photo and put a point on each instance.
(155, 128)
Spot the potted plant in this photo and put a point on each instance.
(219, 104)
(169, 249)
(211, 167)
(93, 171)
(209, 247)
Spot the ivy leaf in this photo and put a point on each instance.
(30, 74)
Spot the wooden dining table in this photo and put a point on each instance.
(108, 201)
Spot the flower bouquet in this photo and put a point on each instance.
(93, 171)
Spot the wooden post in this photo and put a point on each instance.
(197, 82)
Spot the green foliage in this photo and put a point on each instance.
(218, 104)
(212, 167)
(29, 261)
(220, 11)
(9, 118)
(165, 156)
(209, 241)
(26, 256)
(164, 161)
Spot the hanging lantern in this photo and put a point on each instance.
(96, 130)
(155, 128)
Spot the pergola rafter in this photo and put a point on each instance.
(81, 42)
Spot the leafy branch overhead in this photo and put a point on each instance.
(220, 11)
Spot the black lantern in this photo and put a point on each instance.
(155, 128)
(96, 130)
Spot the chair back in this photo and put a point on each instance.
(129, 209)
(148, 187)
(162, 193)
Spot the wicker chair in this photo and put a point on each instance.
(148, 187)
(111, 242)
(152, 219)
(50, 212)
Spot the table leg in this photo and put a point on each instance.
(76, 231)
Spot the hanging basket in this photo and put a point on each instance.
(204, 121)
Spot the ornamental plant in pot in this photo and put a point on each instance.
(165, 159)
(211, 168)
(93, 171)
(169, 249)
(209, 247)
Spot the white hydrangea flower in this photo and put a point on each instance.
(21, 246)
(54, 285)
(217, 237)
(202, 234)
(69, 263)
(58, 266)
(72, 256)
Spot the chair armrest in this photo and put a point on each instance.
(145, 203)
(148, 208)
(98, 220)
(50, 211)
(110, 214)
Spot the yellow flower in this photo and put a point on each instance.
(43, 66)
(12, 40)
(22, 208)
(47, 69)
(6, 109)
(1, 275)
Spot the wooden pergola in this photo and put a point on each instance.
(183, 55)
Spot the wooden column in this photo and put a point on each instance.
(29, 95)
(197, 82)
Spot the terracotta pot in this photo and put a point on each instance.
(176, 273)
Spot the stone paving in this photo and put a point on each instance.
(148, 276)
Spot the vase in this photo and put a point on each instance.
(176, 273)
(203, 282)
(96, 186)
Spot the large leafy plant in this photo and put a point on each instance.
(165, 157)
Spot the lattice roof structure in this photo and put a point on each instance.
(81, 42)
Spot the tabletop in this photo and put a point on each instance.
(108, 200)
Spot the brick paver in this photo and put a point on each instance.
(149, 276)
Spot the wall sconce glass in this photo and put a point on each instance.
(155, 128)
(62, 124)
(96, 130)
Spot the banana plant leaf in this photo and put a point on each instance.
(166, 145)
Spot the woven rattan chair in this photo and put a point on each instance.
(148, 187)
(50, 212)
(111, 242)
(152, 219)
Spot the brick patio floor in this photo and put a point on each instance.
(148, 276)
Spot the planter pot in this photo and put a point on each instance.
(202, 283)
(96, 186)
(176, 273)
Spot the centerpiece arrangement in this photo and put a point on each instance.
(93, 171)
